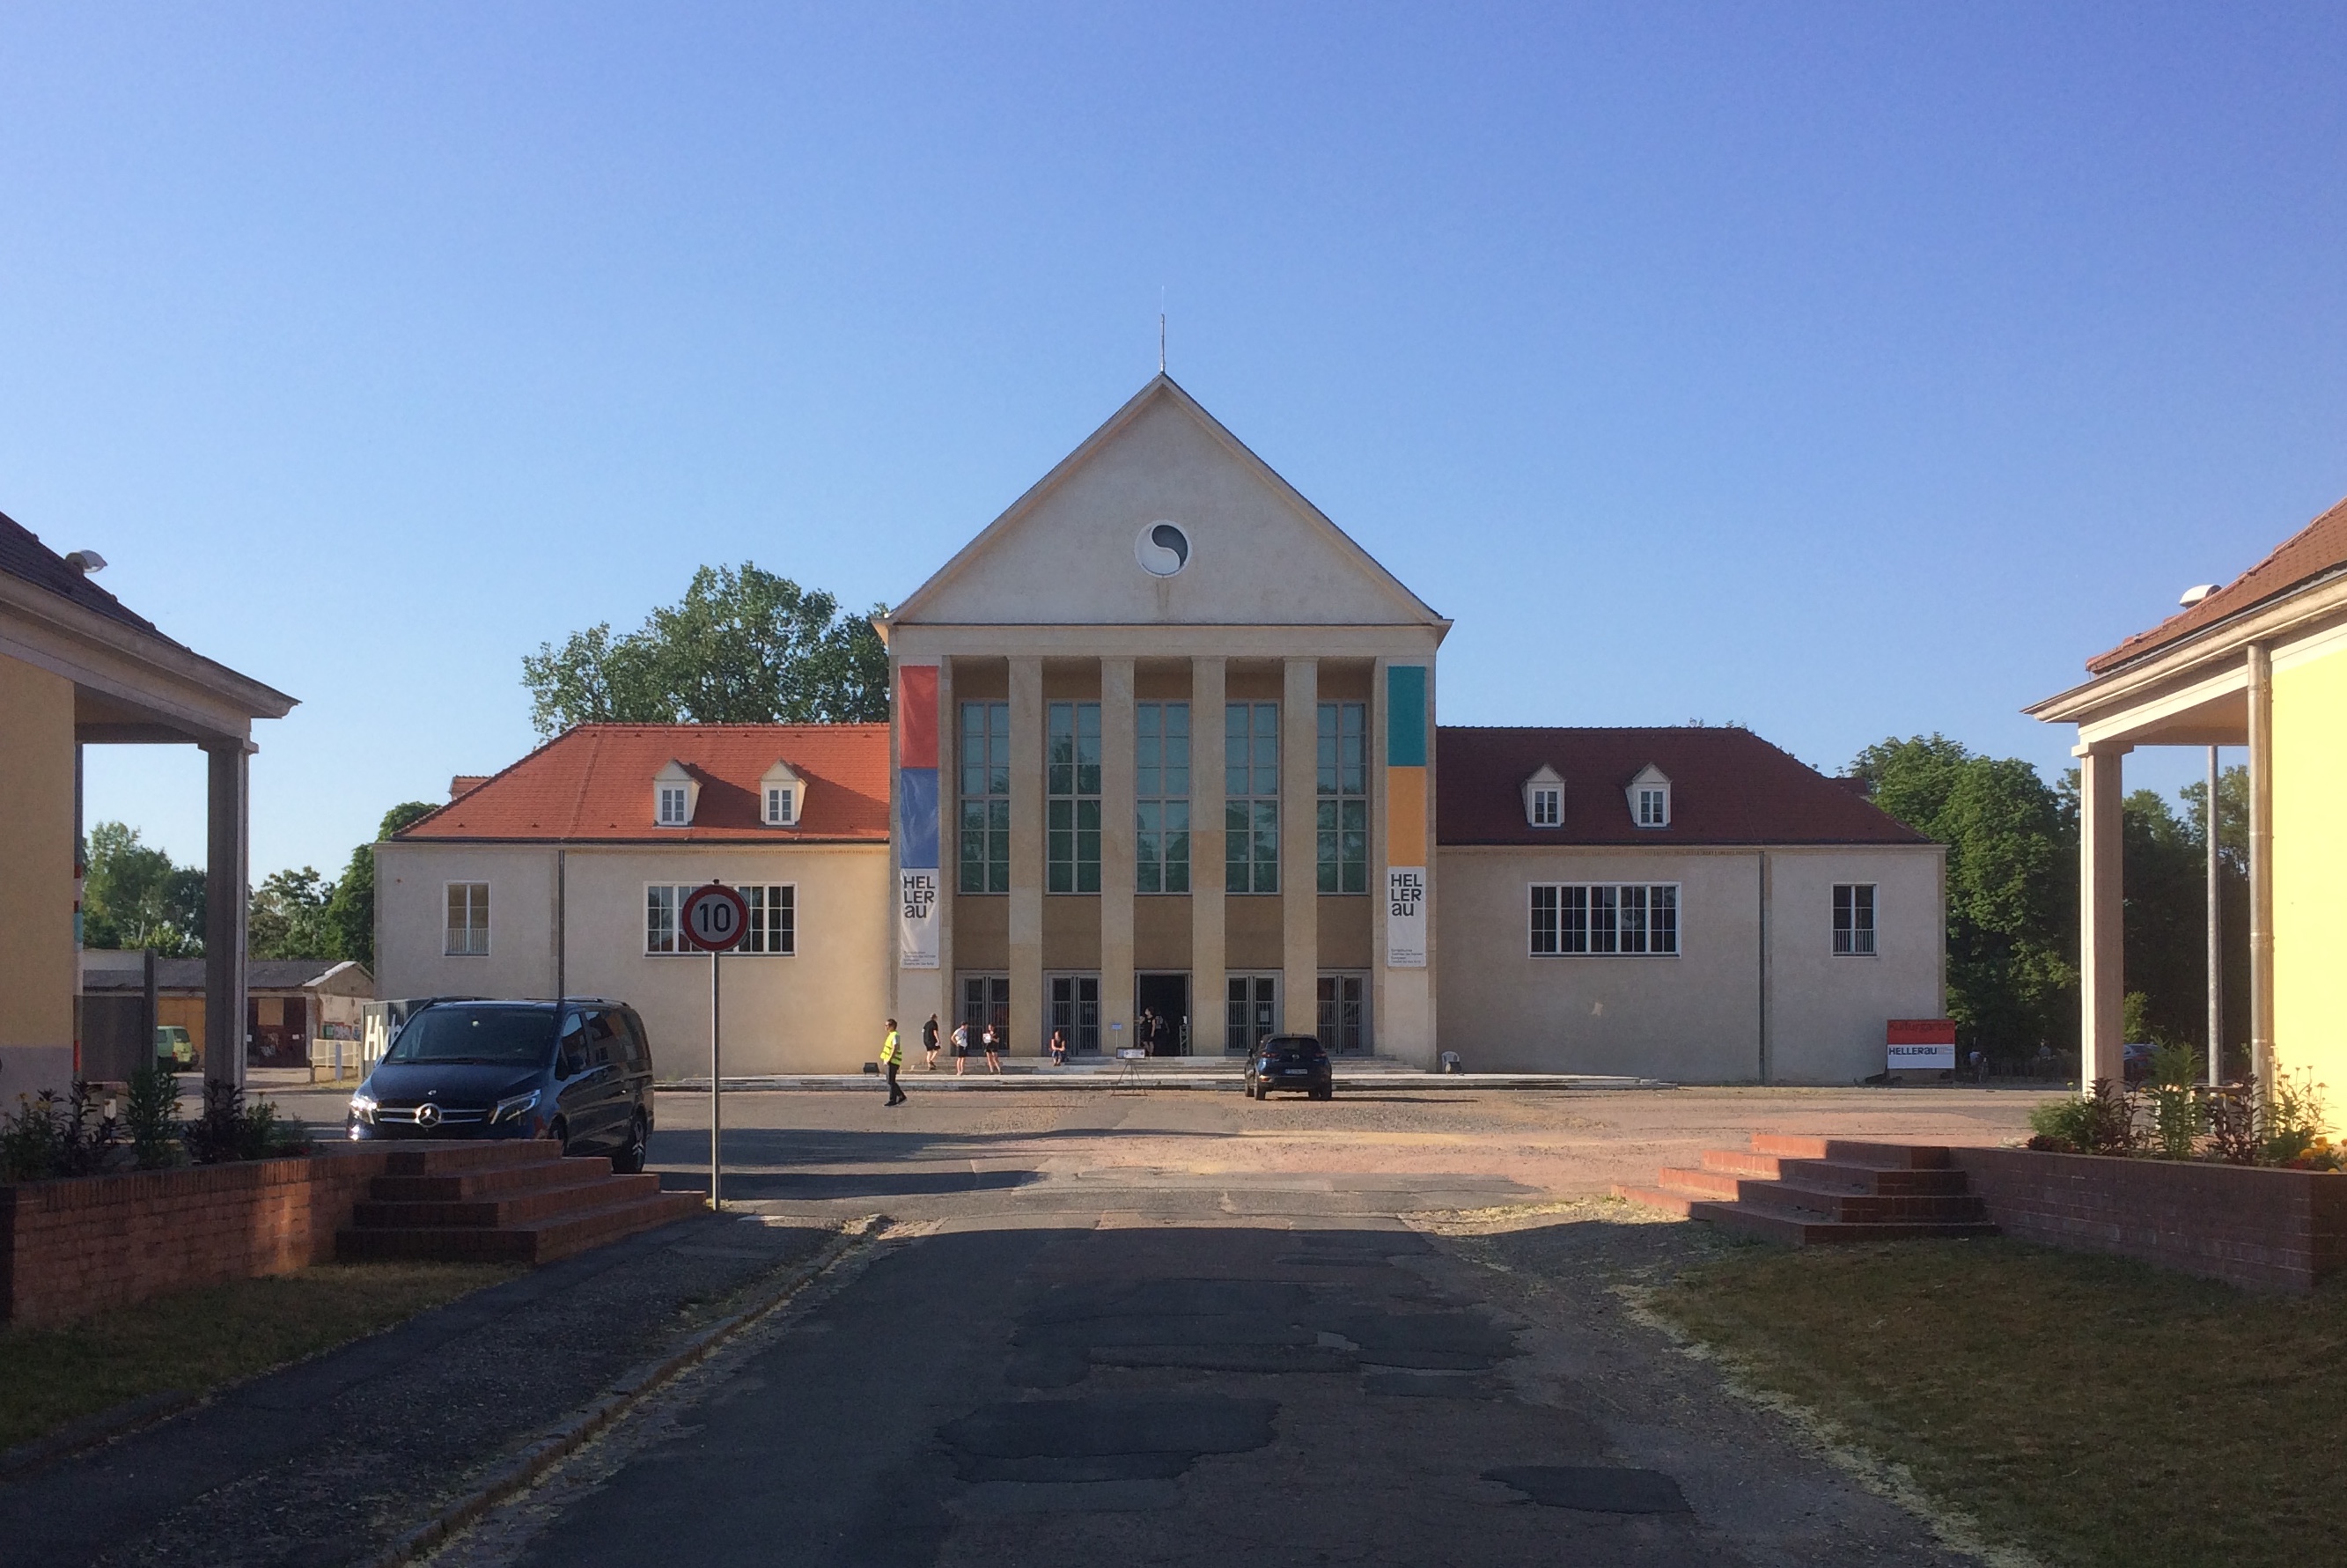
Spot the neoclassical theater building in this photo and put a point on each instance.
(1163, 768)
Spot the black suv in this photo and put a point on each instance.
(580, 1071)
(1291, 1062)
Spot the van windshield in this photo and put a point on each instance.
(507, 1036)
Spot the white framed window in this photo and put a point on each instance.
(1627, 920)
(1548, 805)
(773, 918)
(1650, 797)
(1251, 797)
(781, 805)
(1853, 919)
(675, 810)
(469, 919)
(1162, 798)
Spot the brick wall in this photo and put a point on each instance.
(71, 1247)
(2268, 1230)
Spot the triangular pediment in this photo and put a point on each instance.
(1087, 545)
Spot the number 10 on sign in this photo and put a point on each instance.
(714, 918)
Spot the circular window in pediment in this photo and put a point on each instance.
(1161, 547)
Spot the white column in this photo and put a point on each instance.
(2262, 1066)
(1026, 851)
(1209, 978)
(1117, 830)
(1299, 858)
(227, 866)
(2101, 895)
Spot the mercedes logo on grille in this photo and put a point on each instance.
(428, 1115)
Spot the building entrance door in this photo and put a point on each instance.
(985, 999)
(1166, 997)
(1344, 1012)
(1253, 1012)
(1075, 1011)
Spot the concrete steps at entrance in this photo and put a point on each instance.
(1807, 1192)
(509, 1202)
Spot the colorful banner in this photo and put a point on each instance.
(917, 816)
(1406, 824)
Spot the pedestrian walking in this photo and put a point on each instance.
(892, 1057)
(960, 1047)
(993, 1049)
(929, 1044)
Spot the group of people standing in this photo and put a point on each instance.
(1153, 1032)
(989, 1040)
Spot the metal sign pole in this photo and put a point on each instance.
(716, 1103)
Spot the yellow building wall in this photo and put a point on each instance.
(2310, 854)
(37, 978)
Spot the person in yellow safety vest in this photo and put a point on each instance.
(892, 1057)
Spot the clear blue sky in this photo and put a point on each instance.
(1846, 370)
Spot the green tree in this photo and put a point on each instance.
(134, 897)
(742, 647)
(287, 916)
(349, 915)
(2012, 881)
(2233, 894)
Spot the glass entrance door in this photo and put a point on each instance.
(985, 999)
(1075, 1011)
(1253, 1012)
(1343, 1016)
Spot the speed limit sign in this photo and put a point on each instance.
(714, 918)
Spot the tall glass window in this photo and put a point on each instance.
(986, 797)
(1251, 797)
(1072, 794)
(1161, 778)
(1343, 828)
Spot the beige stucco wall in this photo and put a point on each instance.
(38, 976)
(1694, 1017)
(821, 1010)
(2310, 835)
(1826, 1010)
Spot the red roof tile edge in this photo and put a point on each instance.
(2314, 551)
(549, 794)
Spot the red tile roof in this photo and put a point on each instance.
(2319, 548)
(594, 784)
(1727, 787)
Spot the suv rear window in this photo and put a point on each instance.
(505, 1036)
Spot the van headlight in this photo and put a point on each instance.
(363, 1106)
(513, 1106)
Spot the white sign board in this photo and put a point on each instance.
(1405, 917)
(916, 919)
(1923, 1058)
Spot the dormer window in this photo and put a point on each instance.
(782, 795)
(1544, 798)
(675, 793)
(1650, 798)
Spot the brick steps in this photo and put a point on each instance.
(509, 1202)
(1808, 1192)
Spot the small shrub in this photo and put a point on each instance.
(48, 1136)
(228, 1129)
(151, 1117)
(2294, 1119)
(2176, 1113)
(2101, 1122)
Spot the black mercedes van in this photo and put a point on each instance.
(580, 1071)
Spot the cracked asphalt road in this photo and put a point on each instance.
(1142, 1351)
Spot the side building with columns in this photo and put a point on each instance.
(2260, 663)
(1163, 772)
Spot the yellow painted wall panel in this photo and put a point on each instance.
(36, 859)
(2309, 705)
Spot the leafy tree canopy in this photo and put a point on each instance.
(2011, 900)
(287, 916)
(136, 897)
(742, 647)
